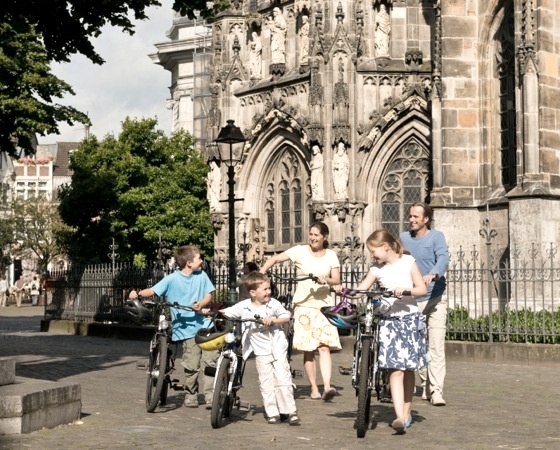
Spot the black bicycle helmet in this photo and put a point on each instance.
(344, 317)
(136, 312)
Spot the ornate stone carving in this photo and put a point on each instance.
(217, 221)
(304, 41)
(413, 59)
(382, 32)
(214, 185)
(317, 173)
(278, 28)
(255, 56)
(340, 171)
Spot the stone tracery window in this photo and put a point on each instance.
(505, 73)
(285, 205)
(406, 181)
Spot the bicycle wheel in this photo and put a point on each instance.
(220, 400)
(167, 378)
(156, 373)
(364, 392)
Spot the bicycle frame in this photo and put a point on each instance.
(366, 375)
(232, 352)
(161, 361)
(228, 380)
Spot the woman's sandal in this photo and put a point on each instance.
(345, 370)
(329, 394)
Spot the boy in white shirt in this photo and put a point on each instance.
(268, 342)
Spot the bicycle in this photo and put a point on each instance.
(230, 367)
(161, 361)
(287, 301)
(366, 375)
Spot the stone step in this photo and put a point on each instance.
(7, 371)
(29, 405)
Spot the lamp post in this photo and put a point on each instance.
(230, 134)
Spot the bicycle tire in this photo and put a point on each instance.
(220, 399)
(364, 392)
(156, 373)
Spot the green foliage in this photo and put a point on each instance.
(28, 90)
(7, 240)
(516, 326)
(138, 189)
(200, 8)
(34, 33)
(39, 230)
(66, 26)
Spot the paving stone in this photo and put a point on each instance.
(489, 404)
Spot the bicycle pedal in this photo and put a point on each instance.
(245, 406)
(142, 364)
(177, 386)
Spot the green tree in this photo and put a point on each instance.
(34, 33)
(137, 189)
(7, 240)
(39, 231)
(28, 90)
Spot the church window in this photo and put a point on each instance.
(285, 207)
(406, 181)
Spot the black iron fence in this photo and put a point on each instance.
(501, 295)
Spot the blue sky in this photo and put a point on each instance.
(128, 84)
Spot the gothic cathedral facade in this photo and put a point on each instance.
(353, 110)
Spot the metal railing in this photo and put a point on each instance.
(494, 295)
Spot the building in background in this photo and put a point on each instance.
(354, 110)
(188, 57)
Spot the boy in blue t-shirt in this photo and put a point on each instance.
(188, 286)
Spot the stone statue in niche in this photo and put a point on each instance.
(214, 185)
(382, 32)
(317, 164)
(304, 41)
(340, 171)
(255, 55)
(278, 28)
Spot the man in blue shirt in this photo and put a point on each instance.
(429, 249)
(188, 286)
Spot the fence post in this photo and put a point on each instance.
(488, 234)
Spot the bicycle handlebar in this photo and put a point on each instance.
(296, 279)
(256, 319)
(166, 303)
(369, 293)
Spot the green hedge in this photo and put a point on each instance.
(516, 326)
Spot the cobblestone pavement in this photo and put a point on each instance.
(490, 406)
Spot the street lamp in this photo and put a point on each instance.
(230, 134)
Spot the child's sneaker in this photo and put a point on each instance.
(191, 402)
(294, 419)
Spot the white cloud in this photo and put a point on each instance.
(128, 84)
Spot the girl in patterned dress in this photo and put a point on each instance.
(402, 341)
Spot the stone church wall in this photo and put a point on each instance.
(352, 110)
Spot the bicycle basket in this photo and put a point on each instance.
(343, 315)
